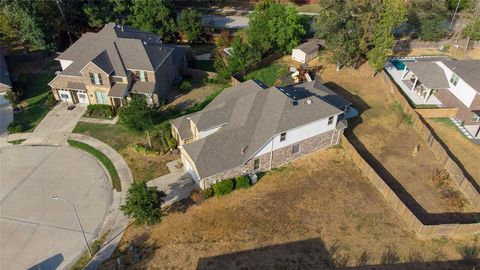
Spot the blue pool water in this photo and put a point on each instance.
(400, 64)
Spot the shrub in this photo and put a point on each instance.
(185, 85)
(242, 182)
(197, 196)
(143, 204)
(223, 187)
(50, 101)
(99, 111)
(207, 193)
(144, 149)
(14, 127)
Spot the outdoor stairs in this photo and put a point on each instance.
(464, 131)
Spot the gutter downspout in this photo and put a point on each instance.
(271, 153)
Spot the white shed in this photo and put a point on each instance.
(307, 51)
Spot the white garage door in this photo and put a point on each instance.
(2, 99)
(65, 96)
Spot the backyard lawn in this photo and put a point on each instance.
(268, 74)
(307, 215)
(466, 151)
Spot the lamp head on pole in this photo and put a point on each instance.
(54, 198)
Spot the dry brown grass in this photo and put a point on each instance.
(452, 52)
(391, 145)
(317, 214)
(466, 151)
(182, 100)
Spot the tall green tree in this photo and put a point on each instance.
(154, 16)
(143, 204)
(274, 26)
(428, 19)
(137, 115)
(390, 14)
(242, 56)
(98, 12)
(190, 24)
(342, 31)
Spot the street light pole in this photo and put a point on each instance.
(78, 219)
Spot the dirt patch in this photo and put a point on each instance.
(146, 167)
(181, 100)
(310, 214)
(390, 143)
(466, 151)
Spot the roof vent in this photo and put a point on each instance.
(294, 102)
(144, 43)
(244, 149)
(308, 101)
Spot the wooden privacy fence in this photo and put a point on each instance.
(407, 45)
(423, 231)
(449, 163)
(437, 113)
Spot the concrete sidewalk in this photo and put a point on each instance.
(116, 222)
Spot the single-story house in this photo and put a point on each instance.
(118, 61)
(251, 128)
(308, 50)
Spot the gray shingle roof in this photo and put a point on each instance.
(114, 49)
(429, 74)
(183, 126)
(143, 87)
(468, 70)
(76, 86)
(315, 87)
(4, 75)
(311, 45)
(252, 116)
(118, 90)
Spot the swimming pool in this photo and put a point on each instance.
(400, 64)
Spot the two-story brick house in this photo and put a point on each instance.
(108, 66)
(252, 128)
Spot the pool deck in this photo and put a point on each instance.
(412, 95)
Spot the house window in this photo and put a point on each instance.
(141, 75)
(256, 164)
(295, 148)
(454, 79)
(96, 78)
(330, 120)
(475, 118)
(283, 136)
(117, 79)
(101, 97)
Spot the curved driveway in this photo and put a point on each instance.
(36, 231)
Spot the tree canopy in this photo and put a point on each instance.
(143, 204)
(242, 56)
(274, 26)
(137, 114)
(428, 19)
(190, 24)
(154, 16)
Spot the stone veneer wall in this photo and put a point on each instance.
(279, 156)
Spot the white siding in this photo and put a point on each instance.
(65, 63)
(298, 134)
(298, 55)
(204, 133)
(190, 169)
(464, 92)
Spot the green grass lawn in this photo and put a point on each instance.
(206, 65)
(102, 158)
(35, 92)
(268, 74)
(117, 136)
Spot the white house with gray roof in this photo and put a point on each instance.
(108, 66)
(251, 128)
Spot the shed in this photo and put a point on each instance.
(308, 50)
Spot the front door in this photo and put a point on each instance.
(83, 98)
(65, 96)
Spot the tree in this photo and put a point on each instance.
(472, 30)
(390, 14)
(98, 12)
(143, 204)
(342, 31)
(428, 19)
(154, 16)
(137, 115)
(190, 24)
(274, 26)
(13, 97)
(242, 56)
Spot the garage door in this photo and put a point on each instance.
(2, 99)
(65, 96)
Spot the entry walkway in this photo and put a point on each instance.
(56, 126)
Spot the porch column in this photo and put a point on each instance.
(414, 84)
(404, 72)
(429, 93)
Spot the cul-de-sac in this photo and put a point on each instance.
(249, 134)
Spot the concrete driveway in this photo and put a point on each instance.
(37, 232)
(57, 125)
(177, 185)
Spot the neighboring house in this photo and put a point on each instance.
(5, 82)
(108, 66)
(250, 128)
(455, 83)
(308, 50)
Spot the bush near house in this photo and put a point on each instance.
(223, 187)
(99, 111)
(242, 182)
(185, 85)
(14, 127)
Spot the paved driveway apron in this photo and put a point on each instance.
(57, 125)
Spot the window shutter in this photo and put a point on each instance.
(137, 74)
(145, 76)
(100, 78)
(92, 79)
